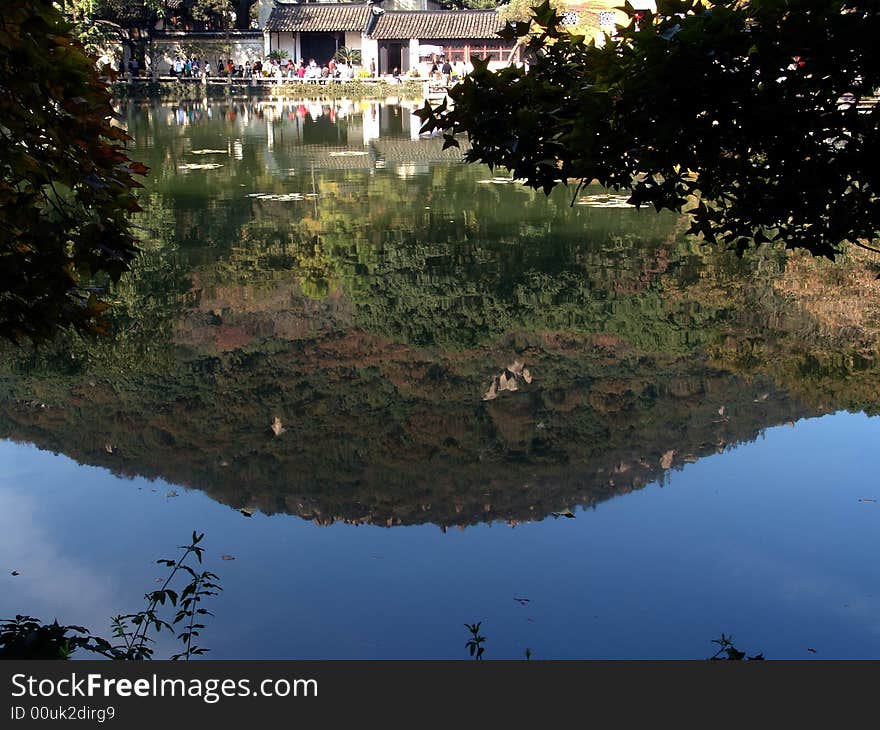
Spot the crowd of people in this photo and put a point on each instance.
(272, 68)
(444, 70)
(185, 68)
(438, 68)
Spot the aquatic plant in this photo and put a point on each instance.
(727, 651)
(475, 644)
(25, 637)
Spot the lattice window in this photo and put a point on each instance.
(569, 17)
(607, 19)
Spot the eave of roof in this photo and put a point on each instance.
(437, 24)
(318, 17)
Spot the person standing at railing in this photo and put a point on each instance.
(313, 73)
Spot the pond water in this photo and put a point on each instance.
(400, 394)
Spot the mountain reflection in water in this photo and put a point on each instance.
(326, 267)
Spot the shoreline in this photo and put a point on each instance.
(197, 91)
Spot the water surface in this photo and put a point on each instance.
(457, 363)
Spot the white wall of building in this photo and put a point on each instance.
(240, 50)
(369, 51)
(353, 39)
(287, 42)
(413, 54)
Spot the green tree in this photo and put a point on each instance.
(97, 24)
(242, 10)
(743, 113)
(521, 10)
(215, 12)
(66, 183)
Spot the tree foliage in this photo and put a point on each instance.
(347, 55)
(745, 114)
(521, 10)
(96, 24)
(67, 185)
(242, 10)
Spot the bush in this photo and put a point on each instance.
(348, 56)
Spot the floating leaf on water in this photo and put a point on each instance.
(762, 397)
(15, 573)
(209, 152)
(721, 411)
(348, 153)
(277, 428)
(605, 201)
(108, 448)
(565, 513)
(247, 512)
(867, 499)
(278, 197)
(666, 459)
(527, 376)
(492, 393)
(198, 166)
(811, 650)
(227, 557)
(172, 493)
(521, 601)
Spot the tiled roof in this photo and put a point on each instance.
(437, 24)
(318, 17)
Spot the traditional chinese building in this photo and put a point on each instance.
(406, 38)
(394, 39)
